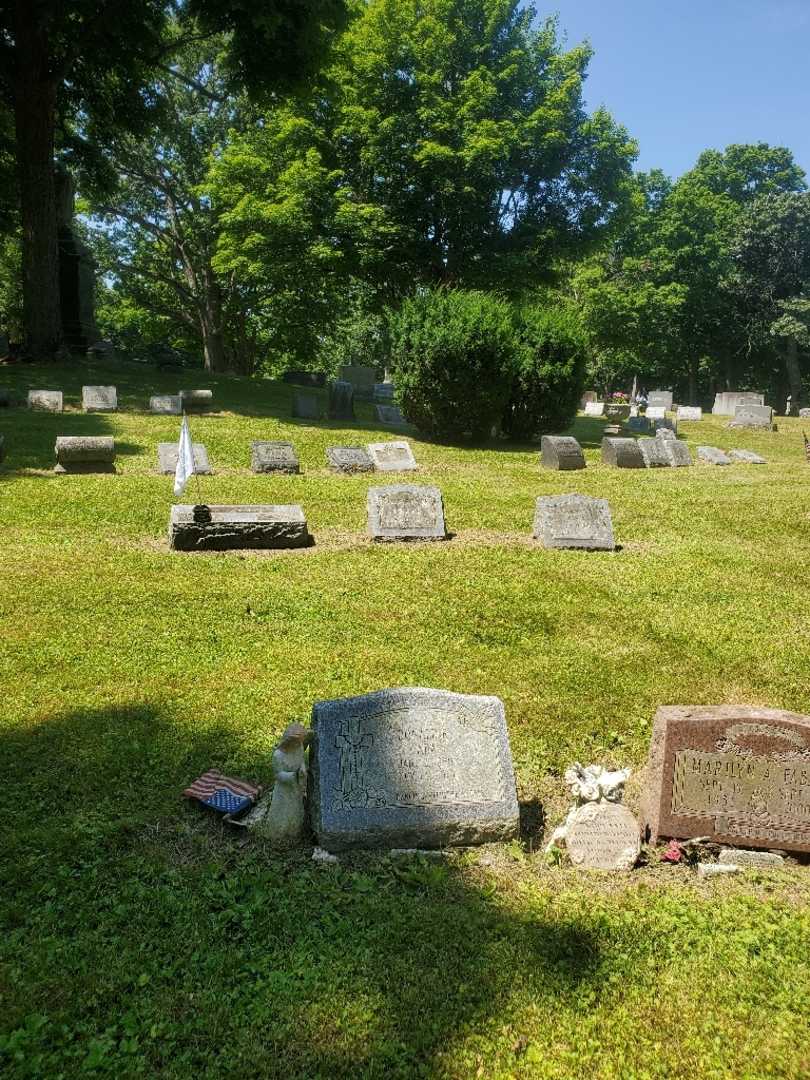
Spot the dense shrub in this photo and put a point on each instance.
(550, 371)
(453, 355)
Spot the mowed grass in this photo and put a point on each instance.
(141, 940)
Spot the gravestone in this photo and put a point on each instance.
(737, 774)
(166, 404)
(341, 401)
(665, 425)
(167, 459)
(617, 411)
(306, 406)
(677, 453)
(665, 433)
(561, 452)
(621, 454)
(362, 379)
(392, 456)
(725, 403)
(690, 412)
(45, 400)
(654, 453)
(349, 459)
(603, 836)
(237, 527)
(713, 456)
(747, 456)
(99, 399)
(77, 270)
(411, 768)
(753, 416)
(594, 408)
(588, 397)
(659, 399)
(573, 521)
(614, 430)
(804, 414)
(84, 454)
(384, 393)
(639, 425)
(390, 414)
(406, 512)
(273, 456)
(195, 401)
(744, 857)
(655, 412)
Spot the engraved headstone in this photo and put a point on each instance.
(713, 456)
(45, 400)
(197, 400)
(411, 768)
(621, 454)
(273, 456)
(737, 774)
(167, 459)
(167, 404)
(594, 408)
(690, 412)
(748, 456)
(341, 401)
(725, 403)
(349, 459)
(677, 453)
(753, 416)
(659, 399)
(617, 411)
(99, 399)
(392, 456)
(84, 453)
(561, 452)
(362, 379)
(390, 414)
(603, 836)
(573, 521)
(655, 412)
(237, 527)
(306, 406)
(654, 453)
(406, 512)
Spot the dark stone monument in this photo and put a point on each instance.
(167, 459)
(737, 774)
(617, 411)
(621, 454)
(84, 454)
(273, 456)
(349, 459)
(77, 271)
(341, 401)
(196, 401)
(574, 521)
(235, 527)
(638, 425)
(363, 379)
(306, 406)
(411, 768)
(406, 512)
(561, 452)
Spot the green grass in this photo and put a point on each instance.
(142, 940)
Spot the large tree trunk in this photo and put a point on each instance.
(794, 374)
(35, 119)
(692, 381)
(211, 324)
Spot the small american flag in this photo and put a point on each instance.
(806, 447)
(224, 794)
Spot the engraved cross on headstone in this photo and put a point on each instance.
(351, 741)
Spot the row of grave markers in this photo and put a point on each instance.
(105, 399)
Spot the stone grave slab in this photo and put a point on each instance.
(561, 452)
(306, 406)
(725, 403)
(690, 412)
(603, 836)
(341, 400)
(753, 416)
(406, 512)
(621, 454)
(390, 414)
(574, 521)
(666, 424)
(99, 399)
(746, 857)
(659, 399)
(349, 459)
(237, 527)
(46, 400)
(737, 774)
(84, 454)
(654, 453)
(166, 404)
(594, 408)
(167, 459)
(712, 455)
(677, 453)
(411, 768)
(273, 456)
(617, 411)
(664, 432)
(195, 401)
(363, 379)
(392, 456)
(655, 412)
(747, 456)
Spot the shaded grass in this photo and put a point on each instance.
(141, 940)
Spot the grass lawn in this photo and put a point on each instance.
(141, 940)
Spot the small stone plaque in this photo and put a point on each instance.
(99, 399)
(748, 456)
(349, 459)
(743, 857)
(167, 459)
(654, 453)
(363, 379)
(621, 454)
(392, 456)
(655, 412)
(574, 521)
(166, 404)
(273, 456)
(713, 456)
(237, 527)
(306, 406)
(197, 400)
(45, 400)
(390, 414)
(406, 512)
(603, 836)
(84, 454)
(561, 452)
(737, 774)
(690, 412)
(411, 768)
(594, 408)
(677, 453)
(660, 399)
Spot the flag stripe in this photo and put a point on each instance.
(205, 786)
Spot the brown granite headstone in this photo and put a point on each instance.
(738, 774)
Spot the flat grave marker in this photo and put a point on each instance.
(712, 455)
(406, 512)
(603, 836)
(747, 456)
(46, 400)
(392, 456)
(574, 521)
(167, 459)
(621, 453)
(84, 454)
(166, 404)
(273, 456)
(349, 459)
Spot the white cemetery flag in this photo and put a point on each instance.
(185, 459)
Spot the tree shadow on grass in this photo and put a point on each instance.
(31, 436)
(187, 949)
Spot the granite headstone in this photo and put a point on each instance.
(167, 459)
(561, 452)
(406, 512)
(45, 400)
(237, 527)
(573, 521)
(349, 459)
(306, 406)
(390, 414)
(594, 408)
(603, 836)
(363, 379)
(84, 454)
(621, 454)
(273, 456)
(341, 400)
(99, 399)
(392, 456)
(654, 453)
(690, 412)
(166, 404)
(713, 456)
(677, 453)
(197, 400)
(655, 412)
(659, 399)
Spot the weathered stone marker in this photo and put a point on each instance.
(574, 521)
(753, 416)
(621, 454)
(363, 379)
(341, 400)
(654, 453)
(84, 454)
(603, 836)
(594, 408)
(738, 774)
(748, 456)
(234, 527)
(659, 399)
(197, 400)
(390, 414)
(639, 425)
(45, 400)
(725, 403)
(166, 404)
(713, 456)
(588, 396)
(561, 452)
(392, 456)
(349, 459)
(615, 410)
(167, 459)
(273, 456)
(406, 512)
(690, 412)
(655, 412)
(306, 406)
(99, 399)
(677, 452)
(411, 768)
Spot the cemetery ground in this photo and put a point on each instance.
(141, 938)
